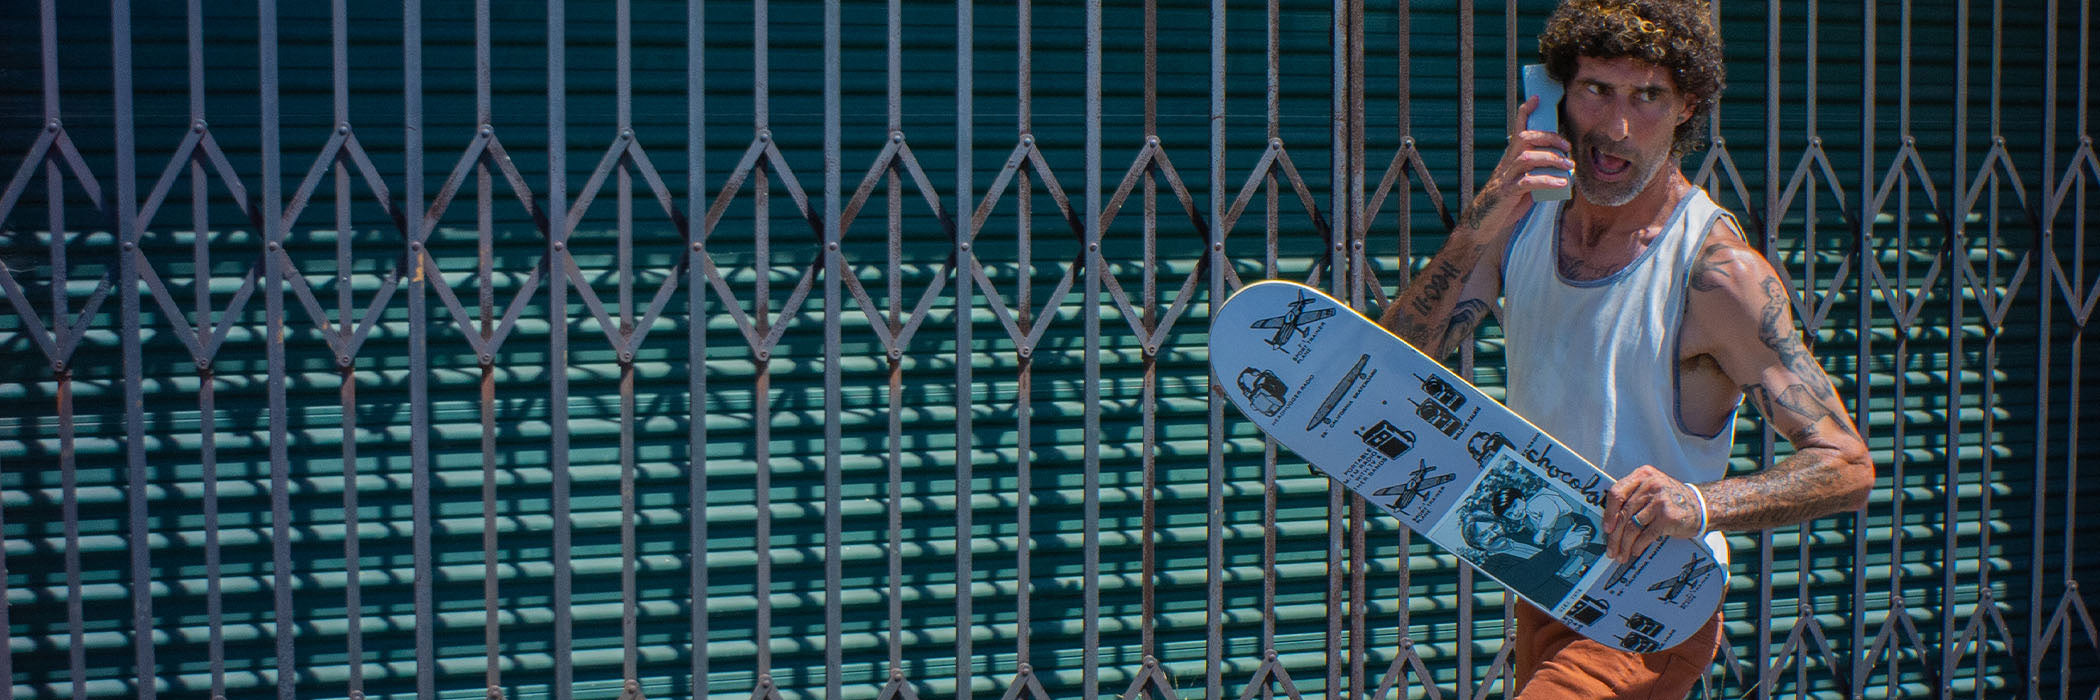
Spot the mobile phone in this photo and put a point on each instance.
(1546, 118)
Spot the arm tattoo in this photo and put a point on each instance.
(1796, 400)
(1436, 284)
(1478, 213)
(1779, 335)
(1709, 273)
(1463, 320)
(1797, 489)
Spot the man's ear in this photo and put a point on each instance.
(1690, 108)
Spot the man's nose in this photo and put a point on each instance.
(1617, 125)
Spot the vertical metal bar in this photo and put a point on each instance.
(485, 270)
(762, 385)
(353, 588)
(965, 75)
(2050, 210)
(893, 60)
(834, 267)
(1272, 89)
(7, 635)
(1465, 198)
(1091, 307)
(69, 477)
(696, 339)
(1352, 233)
(207, 387)
(1024, 370)
(1148, 562)
(1761, 648)
(1403, 224)
(418, 350)
(280, 441)
(1337, 283)
(558, 345)
(128, 227)
(1214, 417)
(623, 87)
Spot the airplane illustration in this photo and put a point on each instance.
(1417, 483)
(1693, 568)
(1293, 321)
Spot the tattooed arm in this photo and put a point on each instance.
(1739, 324)
(1748, 314)
(1447, 299)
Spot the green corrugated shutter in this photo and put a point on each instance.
(1992, 532)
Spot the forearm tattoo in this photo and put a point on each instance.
(1795, 490)
(1463, 320)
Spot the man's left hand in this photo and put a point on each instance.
(1646, 506)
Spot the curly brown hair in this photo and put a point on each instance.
(1678, 35)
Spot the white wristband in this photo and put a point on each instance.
(1702, 506)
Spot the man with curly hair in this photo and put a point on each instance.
(1637, 321)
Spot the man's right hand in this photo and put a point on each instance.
(1506, 195)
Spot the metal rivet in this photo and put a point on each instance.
(2085, 140)
(58, 366)
(558, 245)
(1909, 140)
(1093, 246)
(272, 245)
(415, 245)
(1269, 655)
(1217, 246)
(197, 126)
(765, 135)
(343, 128)
(1816, 141)
(1997, 140)
(1337, 246)
(1027, 668)
(342, 361)
(966, 246)
(1025, 352)
(763, 355)
(495, 694)
(896, 137)
(1276, 143)
(897, 674)
(1150, 662)
(633, 686)
(896, 354)
(1151, 140)
(1720, 141)
(765, 678)
(626, 133)
(696, 246)
(487, 130)
(834, 245)
(1028, 139)
(51, 125)
(1408, 142)
(487, 358)
(1359, 245)
(626, 356)
(128, 245)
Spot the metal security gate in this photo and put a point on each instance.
(781, 350)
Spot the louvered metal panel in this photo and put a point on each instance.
(775, 466)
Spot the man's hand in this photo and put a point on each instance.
(1507, 193)
(1646, 506)
(1446, 300)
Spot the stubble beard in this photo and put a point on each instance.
(1643, 167)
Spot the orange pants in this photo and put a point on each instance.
(1555, 663)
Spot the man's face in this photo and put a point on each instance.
(1623, 115)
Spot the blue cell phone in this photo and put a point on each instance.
(1546, 118)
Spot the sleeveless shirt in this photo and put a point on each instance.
(1595, 363)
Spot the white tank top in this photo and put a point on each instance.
(1595, 363)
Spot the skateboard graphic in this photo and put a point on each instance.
(1455, 466)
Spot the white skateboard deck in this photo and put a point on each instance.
(1453, 465)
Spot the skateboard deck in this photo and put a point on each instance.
(1455, 466)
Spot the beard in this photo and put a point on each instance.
(1641, 168)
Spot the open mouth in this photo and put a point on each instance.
(1608, 165)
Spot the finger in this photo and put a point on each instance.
(1542, 139)
(1535, 158)
(1531, 104)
